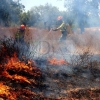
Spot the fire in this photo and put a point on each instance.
(4, 89)
(6, 74)
(14, 62)
(5, 92)
(14, 73)
(21, 79)
(55, 61)
(16, 65)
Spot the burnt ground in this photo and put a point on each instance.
(80, 80)
(71, 82)
(76, 81)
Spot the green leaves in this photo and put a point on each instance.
(10, 11)
(84, 11)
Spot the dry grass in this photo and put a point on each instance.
(58, 80)
(89, 39)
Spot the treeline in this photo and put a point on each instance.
(10, 12)
(79, 13)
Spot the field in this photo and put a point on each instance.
(70, 69)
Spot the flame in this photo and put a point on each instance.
(16, 65)
(4, 89)
(6, 74)
(15, 77)
(17, 71)
(14, 62)
(21, 79)
(55, 61)
(5, 92)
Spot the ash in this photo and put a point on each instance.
(63, 82)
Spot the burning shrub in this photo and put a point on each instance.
(19, 75)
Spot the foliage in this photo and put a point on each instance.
(79, 13)
(46, 13)
(10, 11)
(85, 12)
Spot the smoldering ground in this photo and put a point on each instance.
(81, 51)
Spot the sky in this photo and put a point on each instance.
(31, 3)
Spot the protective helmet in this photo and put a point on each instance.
(59, 18)
(22, 26)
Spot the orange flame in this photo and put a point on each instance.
(6, 74)
(5, 92)
(20, 72)
(21, 79)
(4, 89)
(55, 61)
(15, 63)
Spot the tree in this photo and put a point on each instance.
(24, 17)
(16, 9)
(4, 14)
(45, 14)
(83, 10)
(10, 11)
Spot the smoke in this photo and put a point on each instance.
(74, 44)
(86, 12)
(9, 12)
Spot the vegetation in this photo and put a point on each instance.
(49, 78)
(84, 15)
(10, 12)
(86, 12)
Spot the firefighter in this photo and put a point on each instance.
(62, 28)
(21, 32)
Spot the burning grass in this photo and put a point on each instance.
(21, 79)
(55, 61)
(18, 77)
(77, 80)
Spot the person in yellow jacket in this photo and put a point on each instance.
(21, 32)
(62, 28)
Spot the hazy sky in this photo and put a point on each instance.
(31, 3)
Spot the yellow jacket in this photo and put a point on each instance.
(62, 27)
